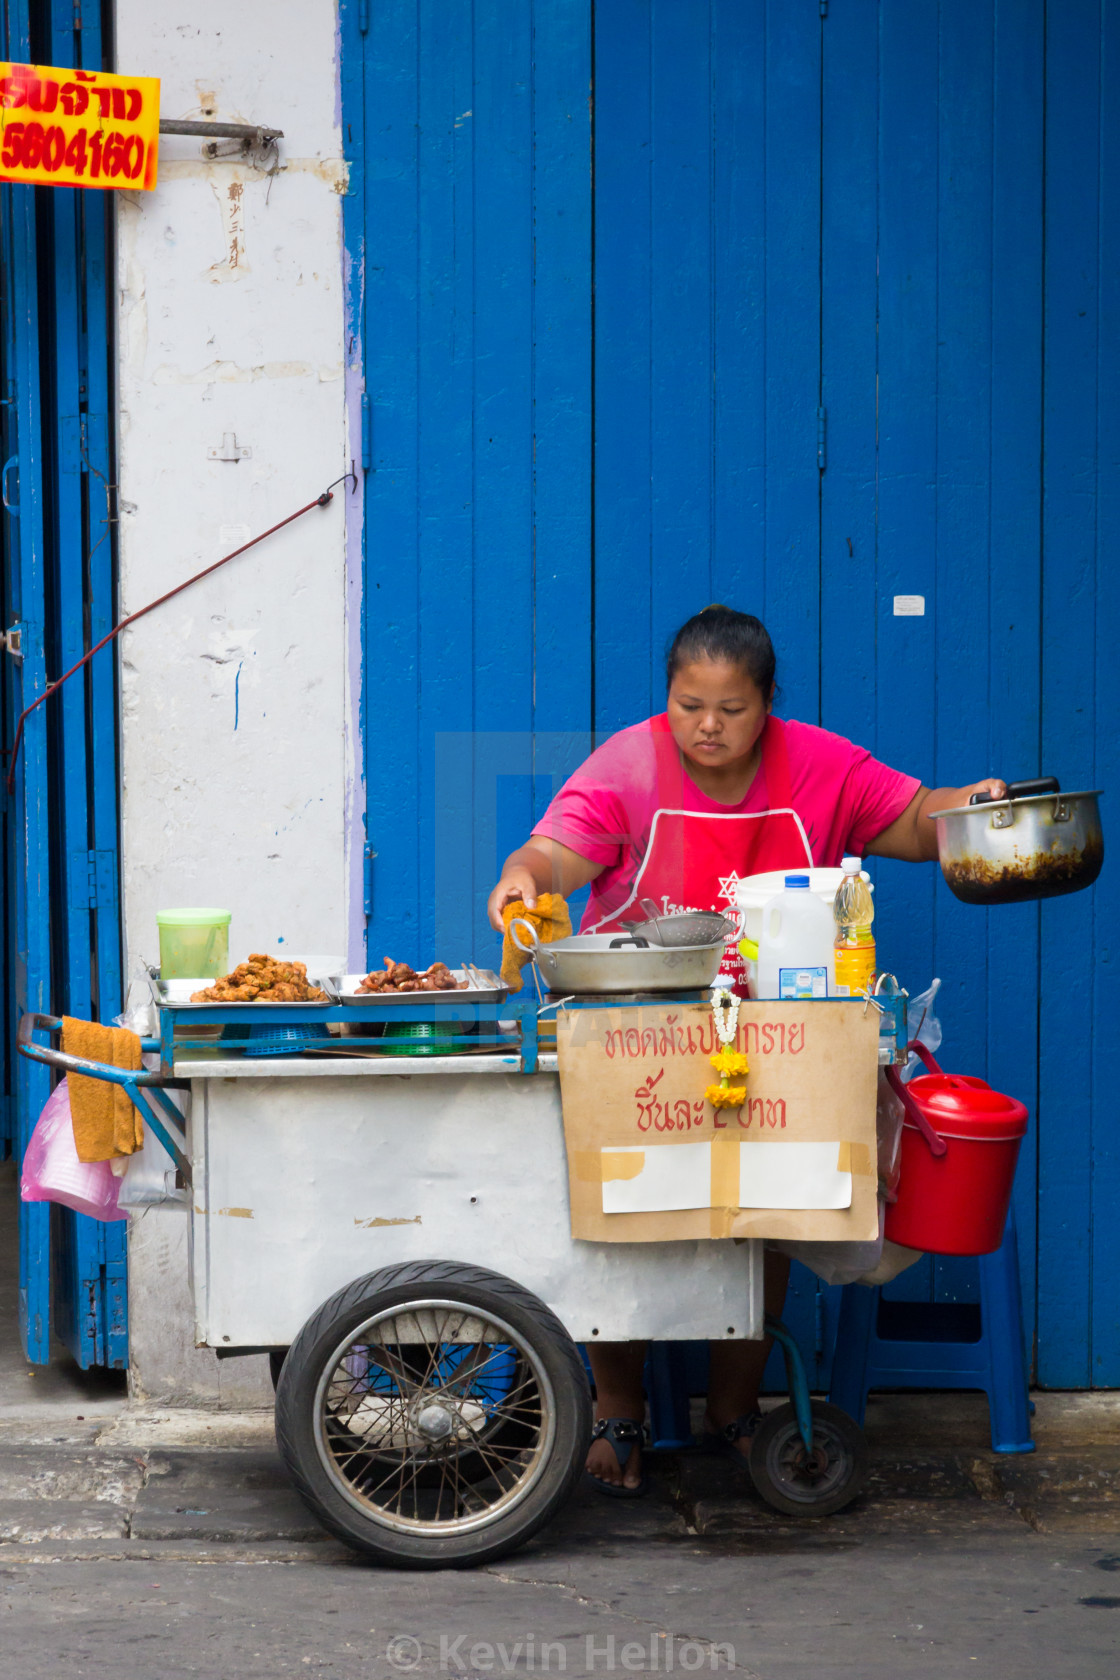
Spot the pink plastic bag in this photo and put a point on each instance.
(52, 1171)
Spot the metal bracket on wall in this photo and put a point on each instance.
(248, 141)
(12, 642)
(230, 450)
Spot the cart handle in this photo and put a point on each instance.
(26, 1046)
(167, 1125)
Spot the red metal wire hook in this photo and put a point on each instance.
(52, 688)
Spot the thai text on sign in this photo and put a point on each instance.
(657, 1105)
(78, 128)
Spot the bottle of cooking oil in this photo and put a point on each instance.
(854, 913)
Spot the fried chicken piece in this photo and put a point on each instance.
(402, 977)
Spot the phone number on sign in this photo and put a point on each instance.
(96, 155)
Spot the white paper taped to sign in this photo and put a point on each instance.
(664, 1180)
(909, 606)
(792, 1175)
(678, 1176)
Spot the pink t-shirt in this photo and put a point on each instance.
(843, 796)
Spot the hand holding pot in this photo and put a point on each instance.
(992, 787)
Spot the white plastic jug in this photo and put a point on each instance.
(795, 944)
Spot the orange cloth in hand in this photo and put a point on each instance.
(551, 921)
(105, 1122)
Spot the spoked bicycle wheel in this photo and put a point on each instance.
(808, 1482)
(433, 1415)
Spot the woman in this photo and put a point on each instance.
(677, 808)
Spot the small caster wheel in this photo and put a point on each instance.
(802, 1483)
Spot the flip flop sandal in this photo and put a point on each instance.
(721, 1442)
(624, 1434)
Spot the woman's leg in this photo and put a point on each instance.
(735, 1373)
(617, 1369)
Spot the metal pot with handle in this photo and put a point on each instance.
(616, 963)
(1036, 843)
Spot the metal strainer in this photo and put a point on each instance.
(690, 927)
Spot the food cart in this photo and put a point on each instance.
(395, 1234)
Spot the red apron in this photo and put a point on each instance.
(695, 858)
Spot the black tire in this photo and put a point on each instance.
(372, 1429)
(801, 1484)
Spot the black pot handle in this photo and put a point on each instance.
(631, 939)
(1022, 790)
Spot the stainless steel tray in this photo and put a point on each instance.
(160, 989)
(492, 990)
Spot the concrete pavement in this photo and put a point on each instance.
(602, 1592)
(134, 1476)
(144, 1542)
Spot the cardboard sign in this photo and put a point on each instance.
(650, 1160)
(78, 128)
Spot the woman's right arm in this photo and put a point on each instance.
(542, 865)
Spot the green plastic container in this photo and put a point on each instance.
(193, 944)
(418, 1038)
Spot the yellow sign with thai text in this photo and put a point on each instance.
(78, 128)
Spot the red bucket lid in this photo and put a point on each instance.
(958, 1105)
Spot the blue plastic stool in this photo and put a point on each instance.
(867, 1358)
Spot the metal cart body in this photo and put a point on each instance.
(309, 1173)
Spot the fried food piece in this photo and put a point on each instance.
(401, 977)
(263, 979)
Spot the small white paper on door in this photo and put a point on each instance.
(792, 1175)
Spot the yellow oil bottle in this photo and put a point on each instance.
(854, 913)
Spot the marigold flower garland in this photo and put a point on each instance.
(726, 1061)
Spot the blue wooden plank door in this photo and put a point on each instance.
(470, 136)
(707, 348)
(968, 350)
(26, 819)
(62, 933)
(932, 228)
(89, 1263)
(788, 317)
(1078, 1153)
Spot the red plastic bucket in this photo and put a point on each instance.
(960, 1146)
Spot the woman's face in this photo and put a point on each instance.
(716, 713)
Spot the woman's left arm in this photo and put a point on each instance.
(913, 836)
